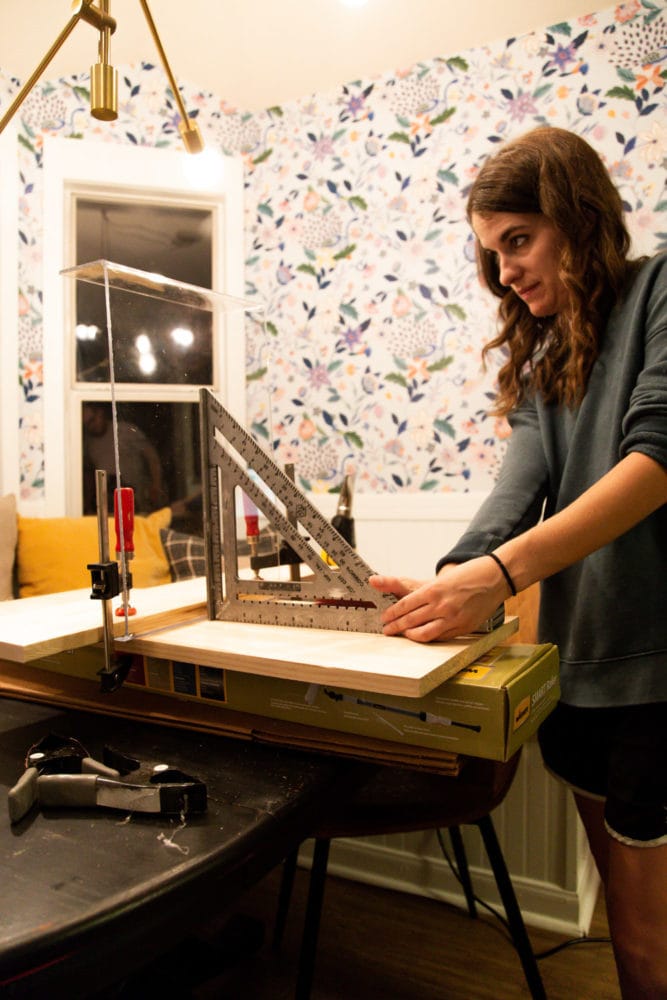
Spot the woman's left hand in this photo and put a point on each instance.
(455, 603)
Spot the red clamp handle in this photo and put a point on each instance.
(123, 506)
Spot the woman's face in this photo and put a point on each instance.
(527, 252)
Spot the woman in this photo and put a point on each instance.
(579, 505)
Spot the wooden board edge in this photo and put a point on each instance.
(35, 685)
(349, 679)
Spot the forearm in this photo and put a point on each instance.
(632, 490)
(464, 595)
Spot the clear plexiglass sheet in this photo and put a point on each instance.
(144, 344)
(130, 279)
(149, 327)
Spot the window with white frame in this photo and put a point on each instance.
(162, 351)
(142, 213)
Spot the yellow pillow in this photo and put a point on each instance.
(53, 552)
(7, 544)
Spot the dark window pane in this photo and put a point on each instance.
(159, 454)
(154, 341)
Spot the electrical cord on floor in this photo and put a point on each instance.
(487, 906)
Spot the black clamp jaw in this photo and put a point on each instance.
(105, 581)
(113, 676)
(105, 585)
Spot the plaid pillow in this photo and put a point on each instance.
(185, 554)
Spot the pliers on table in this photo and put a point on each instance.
(60, 772)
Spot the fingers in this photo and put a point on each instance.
(444, 608)
(430, 631)
(411, 610)
(423, 625)
(399, 586)
(416, 609)
(453, 604)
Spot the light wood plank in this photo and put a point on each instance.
(354, 660)
(34, 627)
(171, 624)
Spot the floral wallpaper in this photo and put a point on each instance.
(357, 242)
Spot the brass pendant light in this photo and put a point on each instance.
(103, 76)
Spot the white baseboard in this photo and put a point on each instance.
(542, 904)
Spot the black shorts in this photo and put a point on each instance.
(617, 755)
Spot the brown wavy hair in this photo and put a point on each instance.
(557, 174)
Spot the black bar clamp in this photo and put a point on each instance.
(105, 580)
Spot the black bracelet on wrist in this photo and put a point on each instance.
(504, 571)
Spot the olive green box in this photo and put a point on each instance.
(486, 710)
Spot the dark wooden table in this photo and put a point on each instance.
(87, 896)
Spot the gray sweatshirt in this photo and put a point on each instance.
(607, 613)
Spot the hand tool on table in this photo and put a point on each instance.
(60, 772)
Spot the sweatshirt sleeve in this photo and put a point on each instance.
(645, 424)
(516, 501)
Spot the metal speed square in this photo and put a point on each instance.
(334, 596)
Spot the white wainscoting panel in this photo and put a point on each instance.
(405, 534)
(542, 840)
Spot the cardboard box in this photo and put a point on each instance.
(488, 709)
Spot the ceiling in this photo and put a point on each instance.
(257, 53)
